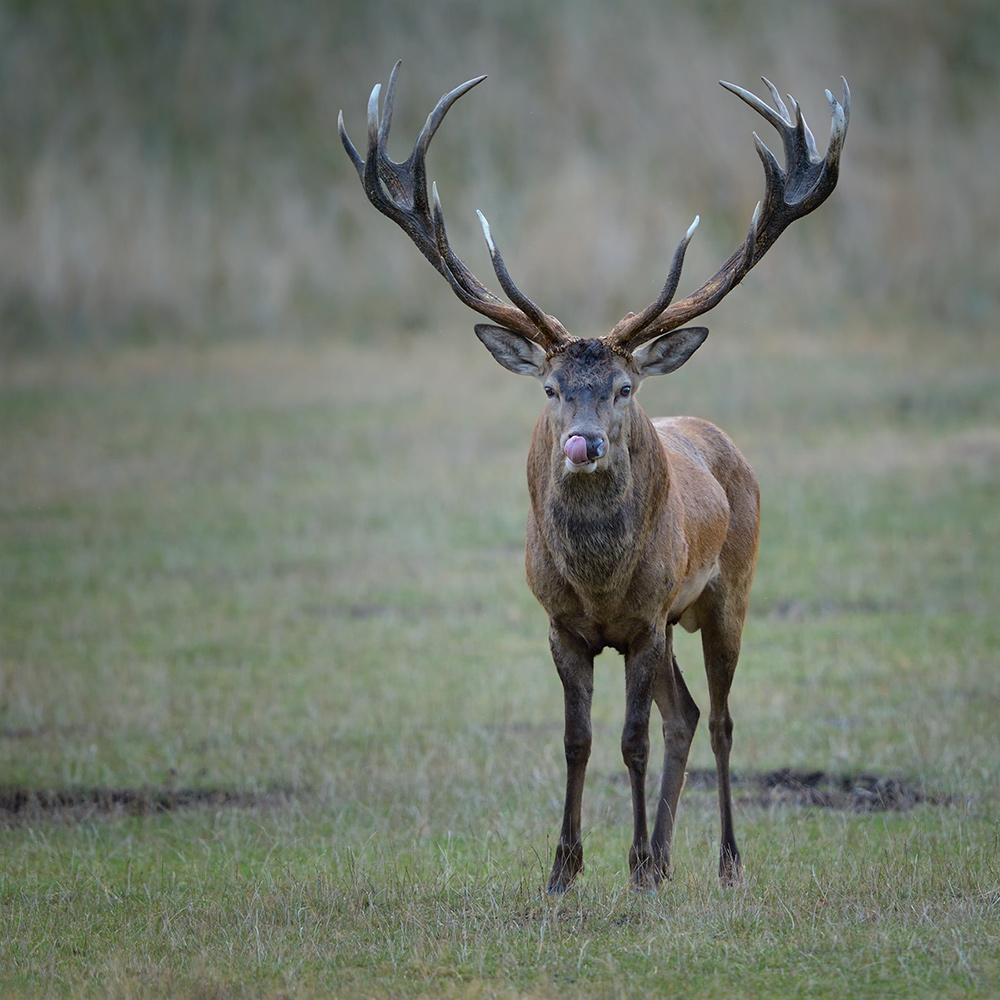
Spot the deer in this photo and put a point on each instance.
(635, 524)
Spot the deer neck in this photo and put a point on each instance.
(594, 524)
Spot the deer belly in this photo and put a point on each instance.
(682, 611)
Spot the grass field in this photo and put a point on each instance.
(277, 715)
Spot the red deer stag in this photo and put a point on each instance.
(635, 525)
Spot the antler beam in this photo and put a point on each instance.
(799, 188)
(399, 191)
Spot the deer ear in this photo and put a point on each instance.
(667, 353)
(513, 350)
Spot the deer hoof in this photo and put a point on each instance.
(730, 869)
(646, 873)
(567, 865)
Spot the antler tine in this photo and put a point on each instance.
(476, 295)
(775, 96)
(840, 116)
(791, 192)
(541, 319)
(418, 156)
(399, 191)
(387, 105)
(631, 323)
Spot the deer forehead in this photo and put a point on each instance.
(588, 366)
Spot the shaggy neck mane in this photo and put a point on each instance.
(595, 521)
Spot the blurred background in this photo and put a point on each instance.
(172, 169)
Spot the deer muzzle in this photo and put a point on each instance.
(582, 452)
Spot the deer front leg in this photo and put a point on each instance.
(576, 670)
(640, 672)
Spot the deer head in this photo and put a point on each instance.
(591, 384)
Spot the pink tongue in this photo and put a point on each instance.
(575, 450)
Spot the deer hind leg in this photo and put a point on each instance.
(722, 649)
(680, 719)
(576, 670)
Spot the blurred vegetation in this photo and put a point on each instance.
(172, 168)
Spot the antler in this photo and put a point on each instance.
(802, 186)
(399, 190)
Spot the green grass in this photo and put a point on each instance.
(294, 574)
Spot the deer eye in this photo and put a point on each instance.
(625, 391)
(550, 391)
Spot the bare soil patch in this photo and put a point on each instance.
(20, 805)
(857, 793)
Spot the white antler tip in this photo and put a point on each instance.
(436, 205)
(693, 227)
(486, 231)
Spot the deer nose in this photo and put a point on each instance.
(581, 449)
